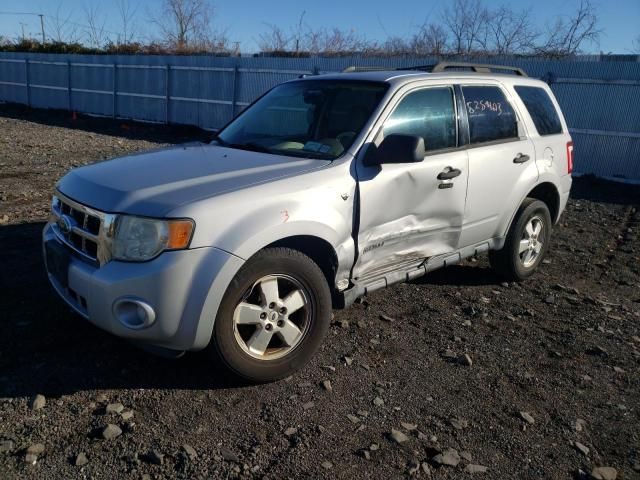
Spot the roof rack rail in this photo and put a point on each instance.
(441, 67)
(476, 67)
(354, 68)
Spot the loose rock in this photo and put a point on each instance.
(472, 468)
(81, 460)
(127, 415)
(459, 423)
(604, 473)
(36, 449)
(38, 402)
(326, 384)
(353, 418)
(582, 448)
(398, 437)
(111, 431)
(229, 456)
(526, 416)
(6, 446)
(114, 408)
(327, 465)
(449, 457)
(190, 451)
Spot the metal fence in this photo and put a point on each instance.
(600, 98)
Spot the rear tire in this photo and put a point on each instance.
(273, 316)
(526, 244)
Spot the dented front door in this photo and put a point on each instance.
(406, 212)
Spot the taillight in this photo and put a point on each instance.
(569, 157)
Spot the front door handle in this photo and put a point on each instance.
(521, 158)
(449, 173)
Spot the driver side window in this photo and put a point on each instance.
(427, 113)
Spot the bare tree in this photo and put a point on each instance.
(431, 39)
(275, 39)
(188, 24)
(466, 21)
(297, 38)
(568, 36)
(305, 40)
(127, 11)
(510, 32)
(62, 28)
(394, 45)
(336, 41)
(95, 28)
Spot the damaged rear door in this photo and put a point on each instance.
(412, 211)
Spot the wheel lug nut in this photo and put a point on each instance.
(281, 323)
(263, 316)
(272, 305)
(268, 326)
(283, 310)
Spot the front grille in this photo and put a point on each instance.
(83, 229)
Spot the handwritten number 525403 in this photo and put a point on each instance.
(479, 106)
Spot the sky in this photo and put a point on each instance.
(244, 20)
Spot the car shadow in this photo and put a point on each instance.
(46, 348)
(121, 128)
(461, 275)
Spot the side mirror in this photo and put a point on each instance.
(397, 148)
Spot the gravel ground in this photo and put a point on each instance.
(549, 387)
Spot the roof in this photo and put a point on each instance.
(395, 77)
(434, 72)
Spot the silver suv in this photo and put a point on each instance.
(325, 189)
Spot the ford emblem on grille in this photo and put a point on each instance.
(65, 224)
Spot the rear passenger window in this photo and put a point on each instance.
(429, 114)
(541, 108)
(490, 115)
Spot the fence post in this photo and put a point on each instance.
(167, 93)
(115, 90)
(26, 79)
(69, 83)
(234, 98)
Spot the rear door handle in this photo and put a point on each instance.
(521, 158)
(449, 173)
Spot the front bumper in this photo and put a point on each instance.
(184, 288)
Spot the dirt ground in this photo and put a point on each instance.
(553, 390)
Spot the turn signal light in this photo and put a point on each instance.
(179, 234)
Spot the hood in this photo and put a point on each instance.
(156, 182)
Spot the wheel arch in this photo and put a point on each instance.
(317, 249)
(547, 193)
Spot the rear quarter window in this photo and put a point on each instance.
(491, 117)
(541, 108)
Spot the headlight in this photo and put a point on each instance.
(138, 239)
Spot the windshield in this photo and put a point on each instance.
(310, 118)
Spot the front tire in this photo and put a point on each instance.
(273, 316)
(526, 244)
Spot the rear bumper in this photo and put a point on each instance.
(184, 289)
